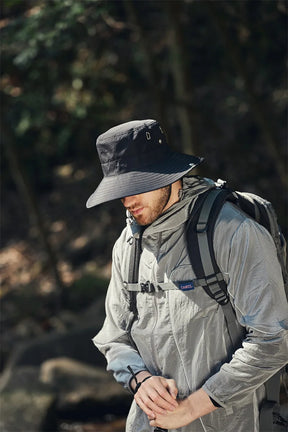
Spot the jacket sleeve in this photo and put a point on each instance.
(257, 294)
(114, 340)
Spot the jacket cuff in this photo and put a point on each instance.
(215, 400)
(216, 404)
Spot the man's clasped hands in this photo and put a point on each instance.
(157, 397)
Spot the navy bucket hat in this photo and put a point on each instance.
(135, 158)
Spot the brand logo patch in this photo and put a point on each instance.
(186, 286)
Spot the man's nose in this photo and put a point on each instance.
(128, 201)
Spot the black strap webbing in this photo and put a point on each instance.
(133, 274)
(200, 232)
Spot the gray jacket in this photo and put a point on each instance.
(182, 334)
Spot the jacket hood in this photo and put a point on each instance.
(178, 213)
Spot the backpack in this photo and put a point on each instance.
(200, 232)
(199, 235)
(201, 229)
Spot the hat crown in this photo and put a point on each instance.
(131, 146)
(135, 159)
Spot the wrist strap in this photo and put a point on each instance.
(138, 384)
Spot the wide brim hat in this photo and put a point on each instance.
(135, 159)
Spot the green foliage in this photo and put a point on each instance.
(72, 68)
(48, 64)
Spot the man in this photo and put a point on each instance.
(172, 348)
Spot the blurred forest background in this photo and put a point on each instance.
(214, 73)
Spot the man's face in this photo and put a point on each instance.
(147, 207)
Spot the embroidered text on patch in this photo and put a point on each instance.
(186, 286)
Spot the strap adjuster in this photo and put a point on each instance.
(147, 287)
(201, 227)
(215, 287)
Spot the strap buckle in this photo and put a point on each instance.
(147, 287)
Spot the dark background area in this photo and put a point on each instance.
(214, 73)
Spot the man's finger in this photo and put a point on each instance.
(163, 389)
(163, 386)
(172, 388)
(157, 396)
(153, 402)
(146, 409)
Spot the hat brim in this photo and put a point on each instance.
(138, 182)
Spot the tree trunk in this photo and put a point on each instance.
(182, 79)
(26, 192)
(154, 78)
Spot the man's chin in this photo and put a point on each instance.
(140, 221)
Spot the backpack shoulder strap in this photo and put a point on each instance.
(200, 230)
(199, 234)
(133, 275)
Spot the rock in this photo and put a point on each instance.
(75, 343)
(37, 399)
(117, 425)
(69, 334)
(60, 377)
(66, 375)
(84, 392)
(81, 388)
(26, 403)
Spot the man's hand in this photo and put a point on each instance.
(188, 410)
(157, 395)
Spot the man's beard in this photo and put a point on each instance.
(157, 209)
